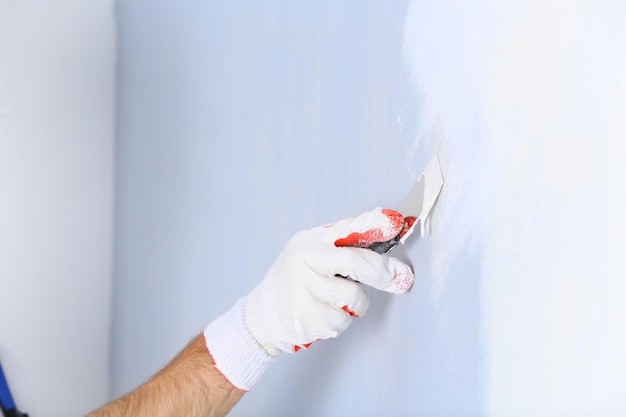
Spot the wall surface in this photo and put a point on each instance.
(56, 204)
(531, 98)
(241, 123)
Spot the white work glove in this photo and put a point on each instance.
(304, 297)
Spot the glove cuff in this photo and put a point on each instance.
(236, 353)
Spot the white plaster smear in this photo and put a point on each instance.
(529, 99)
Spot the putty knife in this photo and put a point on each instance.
(416, 205)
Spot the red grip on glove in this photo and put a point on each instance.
(366, 238)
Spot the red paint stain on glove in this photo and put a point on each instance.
(349, 311)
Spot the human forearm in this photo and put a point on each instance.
(313, 291)
(188, 386)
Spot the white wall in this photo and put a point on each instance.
(531, 99)
(56, 186)
(241, 123)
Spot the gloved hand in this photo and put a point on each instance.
(304, 297)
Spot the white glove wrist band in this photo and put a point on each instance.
(241, 359)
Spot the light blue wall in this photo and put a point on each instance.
(241, 123)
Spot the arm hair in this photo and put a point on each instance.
(188, 386)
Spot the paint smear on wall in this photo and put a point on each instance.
(527, 102)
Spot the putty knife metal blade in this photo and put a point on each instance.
(422, 197)
(416, 205)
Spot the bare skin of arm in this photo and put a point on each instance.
(188, 386)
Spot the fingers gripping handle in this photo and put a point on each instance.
(380, 231)
(380, 239)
